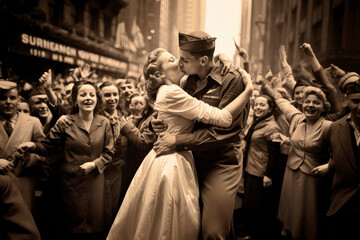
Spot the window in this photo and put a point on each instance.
(94, 20)
(107, 26)
(337, 32)
(316, 37)
(304, 7)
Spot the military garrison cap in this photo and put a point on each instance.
(37, 91)
(7, 85)
(198, 41)
(348, 78)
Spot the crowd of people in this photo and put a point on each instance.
(171, 154)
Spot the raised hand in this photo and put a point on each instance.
(225, 61)
(259, 79)
(336, 72)
(243, 53)
(246, 78)
(283, 56)
(46, 79)
(307, 50)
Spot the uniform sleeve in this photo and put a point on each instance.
(53, 141)
(141, 139)
(108, 152)
(179, 102)
(204, 138)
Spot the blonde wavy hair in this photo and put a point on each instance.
(321, 95)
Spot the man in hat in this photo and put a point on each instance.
(38, 105)
(344, 209)
(217, 165)
(16, 128)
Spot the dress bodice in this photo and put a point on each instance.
(179, 110)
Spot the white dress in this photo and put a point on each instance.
(162, 201)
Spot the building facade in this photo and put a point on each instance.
(330, 26)
(44, 34)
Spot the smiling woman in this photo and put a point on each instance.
(87, 147)
(299, 209)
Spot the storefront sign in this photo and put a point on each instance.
(44, 48)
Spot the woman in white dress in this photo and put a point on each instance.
(162, 201)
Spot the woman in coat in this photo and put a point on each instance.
(87, 145)
(262, 171)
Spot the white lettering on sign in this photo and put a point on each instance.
(46, 44)
(40, 47)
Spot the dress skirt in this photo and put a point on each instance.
(298, 209)
(162, 201)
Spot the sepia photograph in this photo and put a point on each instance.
(180, 120)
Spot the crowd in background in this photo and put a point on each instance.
(288, 164)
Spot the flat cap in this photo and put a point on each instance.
(198, 41)
(347, 79)
(7, 85)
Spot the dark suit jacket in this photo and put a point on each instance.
(16, 221)
(345, 163)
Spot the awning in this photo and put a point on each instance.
(56, 50)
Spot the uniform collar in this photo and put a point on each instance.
(215, 73)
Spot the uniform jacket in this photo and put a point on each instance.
(210, 143)
(345, 163)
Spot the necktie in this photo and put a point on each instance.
(8, 128)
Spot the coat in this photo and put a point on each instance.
(82, 196)
(16, 221)
(345, 162)
(27, 129)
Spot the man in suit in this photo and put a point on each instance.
(217, 166)
(16, 221)
(344, 209)
(16, 128)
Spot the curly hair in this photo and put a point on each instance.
(153, 73)
(75, 91)
(321, 95)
